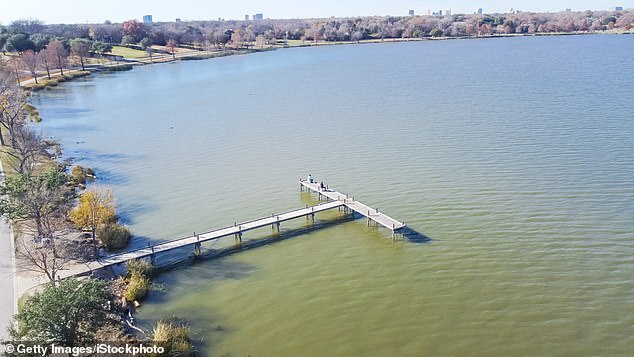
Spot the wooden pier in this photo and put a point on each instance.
(336, 200)
(372, 214)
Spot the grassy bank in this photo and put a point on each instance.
(55, 80)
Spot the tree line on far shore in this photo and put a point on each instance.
(218, 33)
(39, 47)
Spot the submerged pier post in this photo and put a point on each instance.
(238, 234)
(152, 257)
(197, 246)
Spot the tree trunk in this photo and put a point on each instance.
(38, 224)
(81, 60)
(17, 76)
(94, 241)
(59, 62)
(12, 136)
(48, 71)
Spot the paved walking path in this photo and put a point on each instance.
(8, 301)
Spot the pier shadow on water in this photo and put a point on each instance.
(229, 245)
(407, 234)
(413, 236)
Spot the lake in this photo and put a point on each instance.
(513, 157)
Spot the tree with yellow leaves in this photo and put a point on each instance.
(96, 206)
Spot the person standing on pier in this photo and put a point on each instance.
(310, 179)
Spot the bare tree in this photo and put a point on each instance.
(59, 54)
(31, 61)
(260, 41)
(12, 109)
(29, 147)
(171, 44)
(16, 66)
(47, 255)
(80, 48)
(47, 59)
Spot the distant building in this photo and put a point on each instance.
(246, 17)
(480, 11)
(258, 17)
(427, 12)
(147, 19)
(437, 13)
(448, 12)
(178, 19)
(411, 12)
(617, 8)
(568, 10)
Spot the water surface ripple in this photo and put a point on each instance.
(514, 156)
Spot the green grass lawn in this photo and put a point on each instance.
(127, 52)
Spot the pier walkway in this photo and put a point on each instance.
(195, 240)
(372, 214)
(336, 200)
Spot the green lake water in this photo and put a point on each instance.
(512, 159)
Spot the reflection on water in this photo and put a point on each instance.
(514, 168)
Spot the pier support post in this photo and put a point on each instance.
(152, 256)
(197, 247)
(238, 234)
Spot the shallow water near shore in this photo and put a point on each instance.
(513, 156)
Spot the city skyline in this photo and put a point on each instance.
(66, 11)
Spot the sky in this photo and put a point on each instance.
(75, 11)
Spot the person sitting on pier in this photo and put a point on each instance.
(310, 179)
(321, 186)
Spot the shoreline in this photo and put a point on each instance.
(522, 41)
(195, 55)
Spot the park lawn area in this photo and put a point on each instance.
(128, 52)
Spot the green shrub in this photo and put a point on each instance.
(36, 87)
(138, 287)
(139, 267)
(80, 175)
(436, 33)
(174, 337)
(113, 236)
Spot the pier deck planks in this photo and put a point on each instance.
(238, 228)
(365, 210)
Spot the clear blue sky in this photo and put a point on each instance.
(75, 11)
